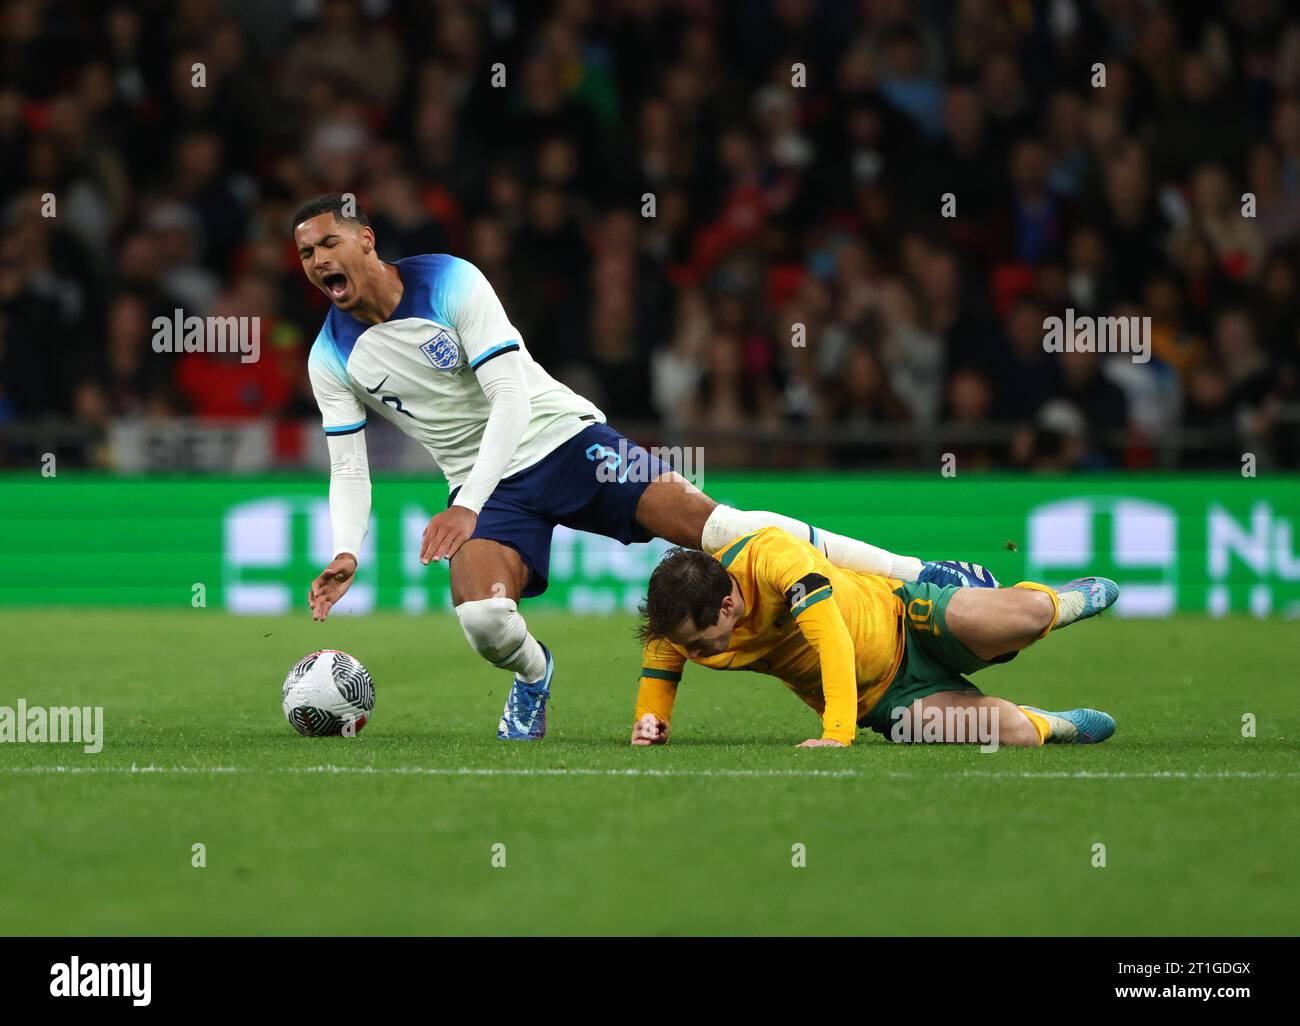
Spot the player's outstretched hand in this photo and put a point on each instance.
(446, 533)
(649, 730)
(329, 587)
(822, 742)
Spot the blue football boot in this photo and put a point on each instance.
(524, 717)
(949, 573)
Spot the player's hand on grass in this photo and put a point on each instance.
(329, 587)
(822, 742)
(446, 533)
(649, 730)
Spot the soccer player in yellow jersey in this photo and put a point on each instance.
(862, 650)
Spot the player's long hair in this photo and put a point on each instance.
(686, 582)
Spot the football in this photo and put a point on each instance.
(327, 694)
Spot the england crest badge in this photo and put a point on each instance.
(442, 352)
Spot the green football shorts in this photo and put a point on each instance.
(933, 659)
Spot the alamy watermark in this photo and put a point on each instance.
(950, 724)
(55, 724)
(181, 334)
(75, 978)
(630, 462)
(1086, 334)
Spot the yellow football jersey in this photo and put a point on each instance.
(834, 637)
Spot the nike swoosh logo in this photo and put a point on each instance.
(372, 391)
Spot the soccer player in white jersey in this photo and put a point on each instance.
(425, 343)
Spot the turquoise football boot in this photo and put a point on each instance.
(1077, 726)
(1085, 597)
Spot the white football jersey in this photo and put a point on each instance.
(417, 369)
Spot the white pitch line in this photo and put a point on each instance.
(1118, 775)
(434, 771)
(541, 771)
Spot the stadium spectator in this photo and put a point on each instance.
(659, 197)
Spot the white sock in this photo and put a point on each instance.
(497, 632)
(530, 667)
(1063, 731)
(1071, 605)
(726, 524)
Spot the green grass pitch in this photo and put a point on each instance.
(1200, 825)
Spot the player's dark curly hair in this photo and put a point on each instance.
(330, 203)
(686, 582)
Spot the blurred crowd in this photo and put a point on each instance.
(725, 218)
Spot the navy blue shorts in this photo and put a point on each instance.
(592, 482)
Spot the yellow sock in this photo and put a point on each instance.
(1050, 593)
(1040, 724)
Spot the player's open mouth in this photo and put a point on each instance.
(335, 284)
